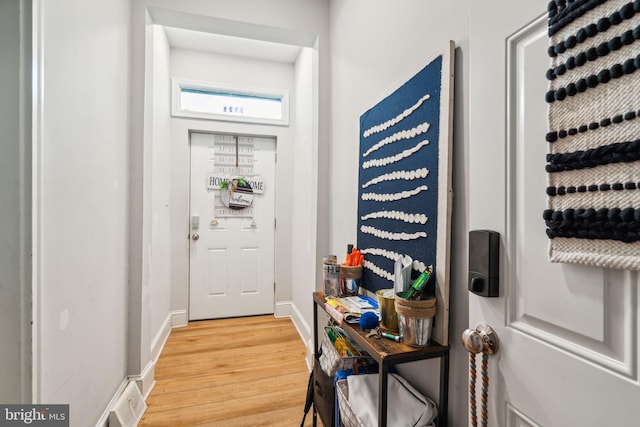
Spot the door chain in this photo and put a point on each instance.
(483, 340)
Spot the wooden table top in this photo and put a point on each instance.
(384, 350)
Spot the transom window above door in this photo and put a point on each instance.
(217, 101)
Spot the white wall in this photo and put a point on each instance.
(160, 250)
(305, 169)
(377, 45)
(243, 72)
(80, 203)
(15, 203)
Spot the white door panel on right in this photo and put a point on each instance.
(568, 333)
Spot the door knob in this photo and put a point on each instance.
(472, 341)
(195, 236)
(481, 339)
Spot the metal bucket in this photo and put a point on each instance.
(415, 319)
(389, 318)
(415, 331)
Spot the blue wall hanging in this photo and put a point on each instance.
(404, 185)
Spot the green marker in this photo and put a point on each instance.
(418, 285)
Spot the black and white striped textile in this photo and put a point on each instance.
(593, 165)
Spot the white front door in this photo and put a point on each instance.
(232, 250)
(568, 333)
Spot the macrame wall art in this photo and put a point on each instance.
(593, 165)
(404, 182)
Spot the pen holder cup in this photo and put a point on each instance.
(415, 318)
(350, 278)
(331, 280)
(389, 318)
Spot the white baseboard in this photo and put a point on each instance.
(303, 328)
(179, 318)
(146, 380)
(103, 421)
(174, 319)
(283, 309)
(157, 344)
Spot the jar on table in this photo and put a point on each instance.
(330, 276)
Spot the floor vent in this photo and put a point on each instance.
(128, 409)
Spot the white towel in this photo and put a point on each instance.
(405, 405)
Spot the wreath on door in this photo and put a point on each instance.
(236, 193)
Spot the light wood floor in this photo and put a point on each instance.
(244, 372)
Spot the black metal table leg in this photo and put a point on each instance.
(315, 330)
(315, 356)
(382, 394)
(443, 403)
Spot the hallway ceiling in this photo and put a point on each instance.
(227, 45)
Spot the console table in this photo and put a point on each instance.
(388, 353)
